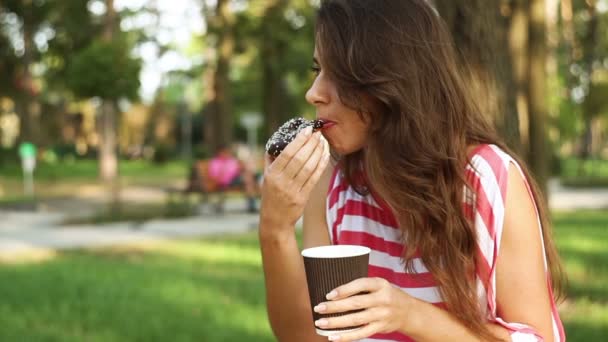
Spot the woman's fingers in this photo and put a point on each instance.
(292, 150)
(301, 156)
(358, 334)
(350, 320)
(313, 179)
(310, 165)
(355, 302)
(357, 286)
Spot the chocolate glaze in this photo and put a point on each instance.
(288, 132)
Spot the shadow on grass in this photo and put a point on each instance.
(585, 331)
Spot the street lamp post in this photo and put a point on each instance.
(251, 121)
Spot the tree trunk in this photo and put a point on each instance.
(27, 99)
(589, 43)
(220, 117)
(108, 159)
(480, 33)
(272, 56)
(568, 37)
(518, 48)
(537, 95)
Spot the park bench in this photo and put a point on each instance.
(201, 184)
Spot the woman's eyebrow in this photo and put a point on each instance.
(315, 61)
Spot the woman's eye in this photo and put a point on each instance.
(315, 69)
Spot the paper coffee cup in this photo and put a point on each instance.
(328, 267)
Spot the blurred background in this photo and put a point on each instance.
(110, 111)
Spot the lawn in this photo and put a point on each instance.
(56, 179)
(212, 290)
(591, 173)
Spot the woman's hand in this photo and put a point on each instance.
(386, 309)
(289, 179)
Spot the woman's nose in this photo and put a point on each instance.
(317, 94)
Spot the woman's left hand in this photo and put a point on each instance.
(386, 309)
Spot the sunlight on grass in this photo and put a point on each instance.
(28, 255)
(176, 291)
(213, 290)
(213, 252)
(197, 251)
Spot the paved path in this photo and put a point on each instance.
(23, 232)
(562, 198)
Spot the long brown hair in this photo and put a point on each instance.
(399, 56)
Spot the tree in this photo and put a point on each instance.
(105, 70)
(31, 17)
(540, 153)
(481, 32)
(218, 113)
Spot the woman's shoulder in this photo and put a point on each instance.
(489, 160)
(487, 172)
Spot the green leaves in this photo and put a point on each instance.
(104, 70)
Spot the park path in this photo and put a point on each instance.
(23, 232)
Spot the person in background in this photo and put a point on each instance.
(228, 171)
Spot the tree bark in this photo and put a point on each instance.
(537, 96)
(272, 57)
(27, 97)
(108, 161)
(518, 49)
(219, 114)
(480, 32)
(589, 43)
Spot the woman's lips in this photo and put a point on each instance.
(328, 124)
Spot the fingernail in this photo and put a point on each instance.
(321, 322)
(334, 338)
(320, 308)
(308, 131)
(332, 294)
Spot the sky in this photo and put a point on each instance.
(179, 20)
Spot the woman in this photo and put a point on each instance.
(461, 246)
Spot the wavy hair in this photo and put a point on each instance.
(399, 56)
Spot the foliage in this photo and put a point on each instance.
(104, 70)
(274, 41)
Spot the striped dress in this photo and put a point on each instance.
(363, 220)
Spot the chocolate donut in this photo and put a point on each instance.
(287, 132)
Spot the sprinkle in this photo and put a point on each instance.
(287, 133)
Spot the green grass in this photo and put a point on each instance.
(584, 174)
(582, 239)
(183, 291)
(57, 180)
(136, 172)
(212, 290)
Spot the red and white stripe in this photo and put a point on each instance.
(361, 220)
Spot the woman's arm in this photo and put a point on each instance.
(286, 190)
(521, 287)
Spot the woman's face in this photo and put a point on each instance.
(344, 129)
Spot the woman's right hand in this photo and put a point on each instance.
(290, 178)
